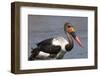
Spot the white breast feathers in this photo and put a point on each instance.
(60, 41)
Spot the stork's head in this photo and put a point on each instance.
(68, 28)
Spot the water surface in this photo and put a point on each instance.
(43, 27)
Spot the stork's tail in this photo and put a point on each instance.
(34, 53)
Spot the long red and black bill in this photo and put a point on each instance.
(78, 41)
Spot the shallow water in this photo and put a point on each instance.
(43, 27)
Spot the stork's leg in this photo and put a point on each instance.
(60, 55)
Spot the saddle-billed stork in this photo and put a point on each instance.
(57, 47)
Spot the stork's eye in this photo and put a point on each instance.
(68, 26)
